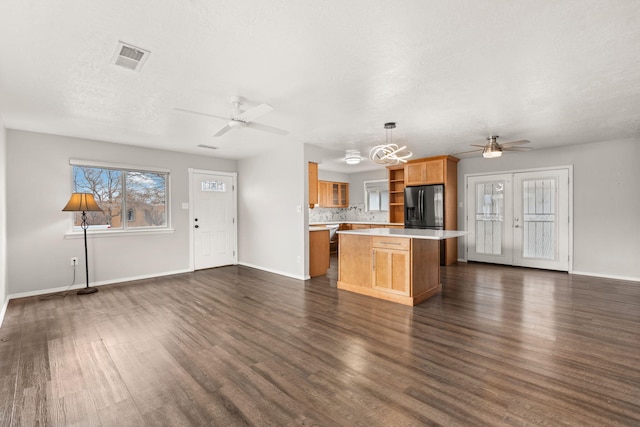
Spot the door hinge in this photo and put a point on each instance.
(233, 220)
(234, 253)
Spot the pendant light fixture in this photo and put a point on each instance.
(389, 153)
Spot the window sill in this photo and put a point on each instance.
(113, 233)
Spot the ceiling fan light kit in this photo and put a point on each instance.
(389, 153)
(492, 149)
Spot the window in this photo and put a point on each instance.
(376, 195)
(130, 198)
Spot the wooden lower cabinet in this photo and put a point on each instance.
(398, 269)
(359, 226)
(318, 252)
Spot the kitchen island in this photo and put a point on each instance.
(399, 265)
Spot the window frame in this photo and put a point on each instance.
(381, 186)
(123, 168)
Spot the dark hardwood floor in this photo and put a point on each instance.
(237, 346)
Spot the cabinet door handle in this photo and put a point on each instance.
(390, 243)
(373, 254)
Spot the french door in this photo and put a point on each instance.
(519, 219)
(213, 219)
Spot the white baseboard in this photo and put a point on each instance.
(4, 310)
(606, 276)
(269, 270)
(101, 283)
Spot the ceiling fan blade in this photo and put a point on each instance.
(469, 152)
(201, 114)
(476, 145)
(516, 148)
(266, 128)
(254, 113)
(222, 131)
(522, 141)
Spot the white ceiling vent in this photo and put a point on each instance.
(129, 56)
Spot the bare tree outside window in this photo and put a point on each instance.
(146, 194)
(106, 187)
(119, 192)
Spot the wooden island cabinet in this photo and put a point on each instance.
(399, 265)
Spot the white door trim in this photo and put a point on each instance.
(234, 176)
(514, 171)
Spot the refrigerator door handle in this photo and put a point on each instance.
(421, 204)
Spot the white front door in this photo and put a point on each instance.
(520, 219)
(213, 219)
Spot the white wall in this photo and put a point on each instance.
(39, 185)
(272, 211)
(356, 184)
(332, 176)
(3, 222)
(606, 188)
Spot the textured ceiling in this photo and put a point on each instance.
(448, 72)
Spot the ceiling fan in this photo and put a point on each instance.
(492, 149)
(242, 118)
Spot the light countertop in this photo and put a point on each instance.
(410, 233)
(356, 222)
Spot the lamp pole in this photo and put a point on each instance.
(86, 289)
(83, 202)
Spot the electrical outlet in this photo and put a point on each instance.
(74, 261)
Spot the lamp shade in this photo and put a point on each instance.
(81, 202)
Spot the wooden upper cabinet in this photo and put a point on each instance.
(313, 184)
(333, 194)
(415, 173)
(425, 172)
(435, 171)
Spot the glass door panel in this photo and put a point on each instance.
(489, 220)
(541, 217)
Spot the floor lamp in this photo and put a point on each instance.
(83, 202)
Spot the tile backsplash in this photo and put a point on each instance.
(353, 213)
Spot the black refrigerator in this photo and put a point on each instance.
(424, 208)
